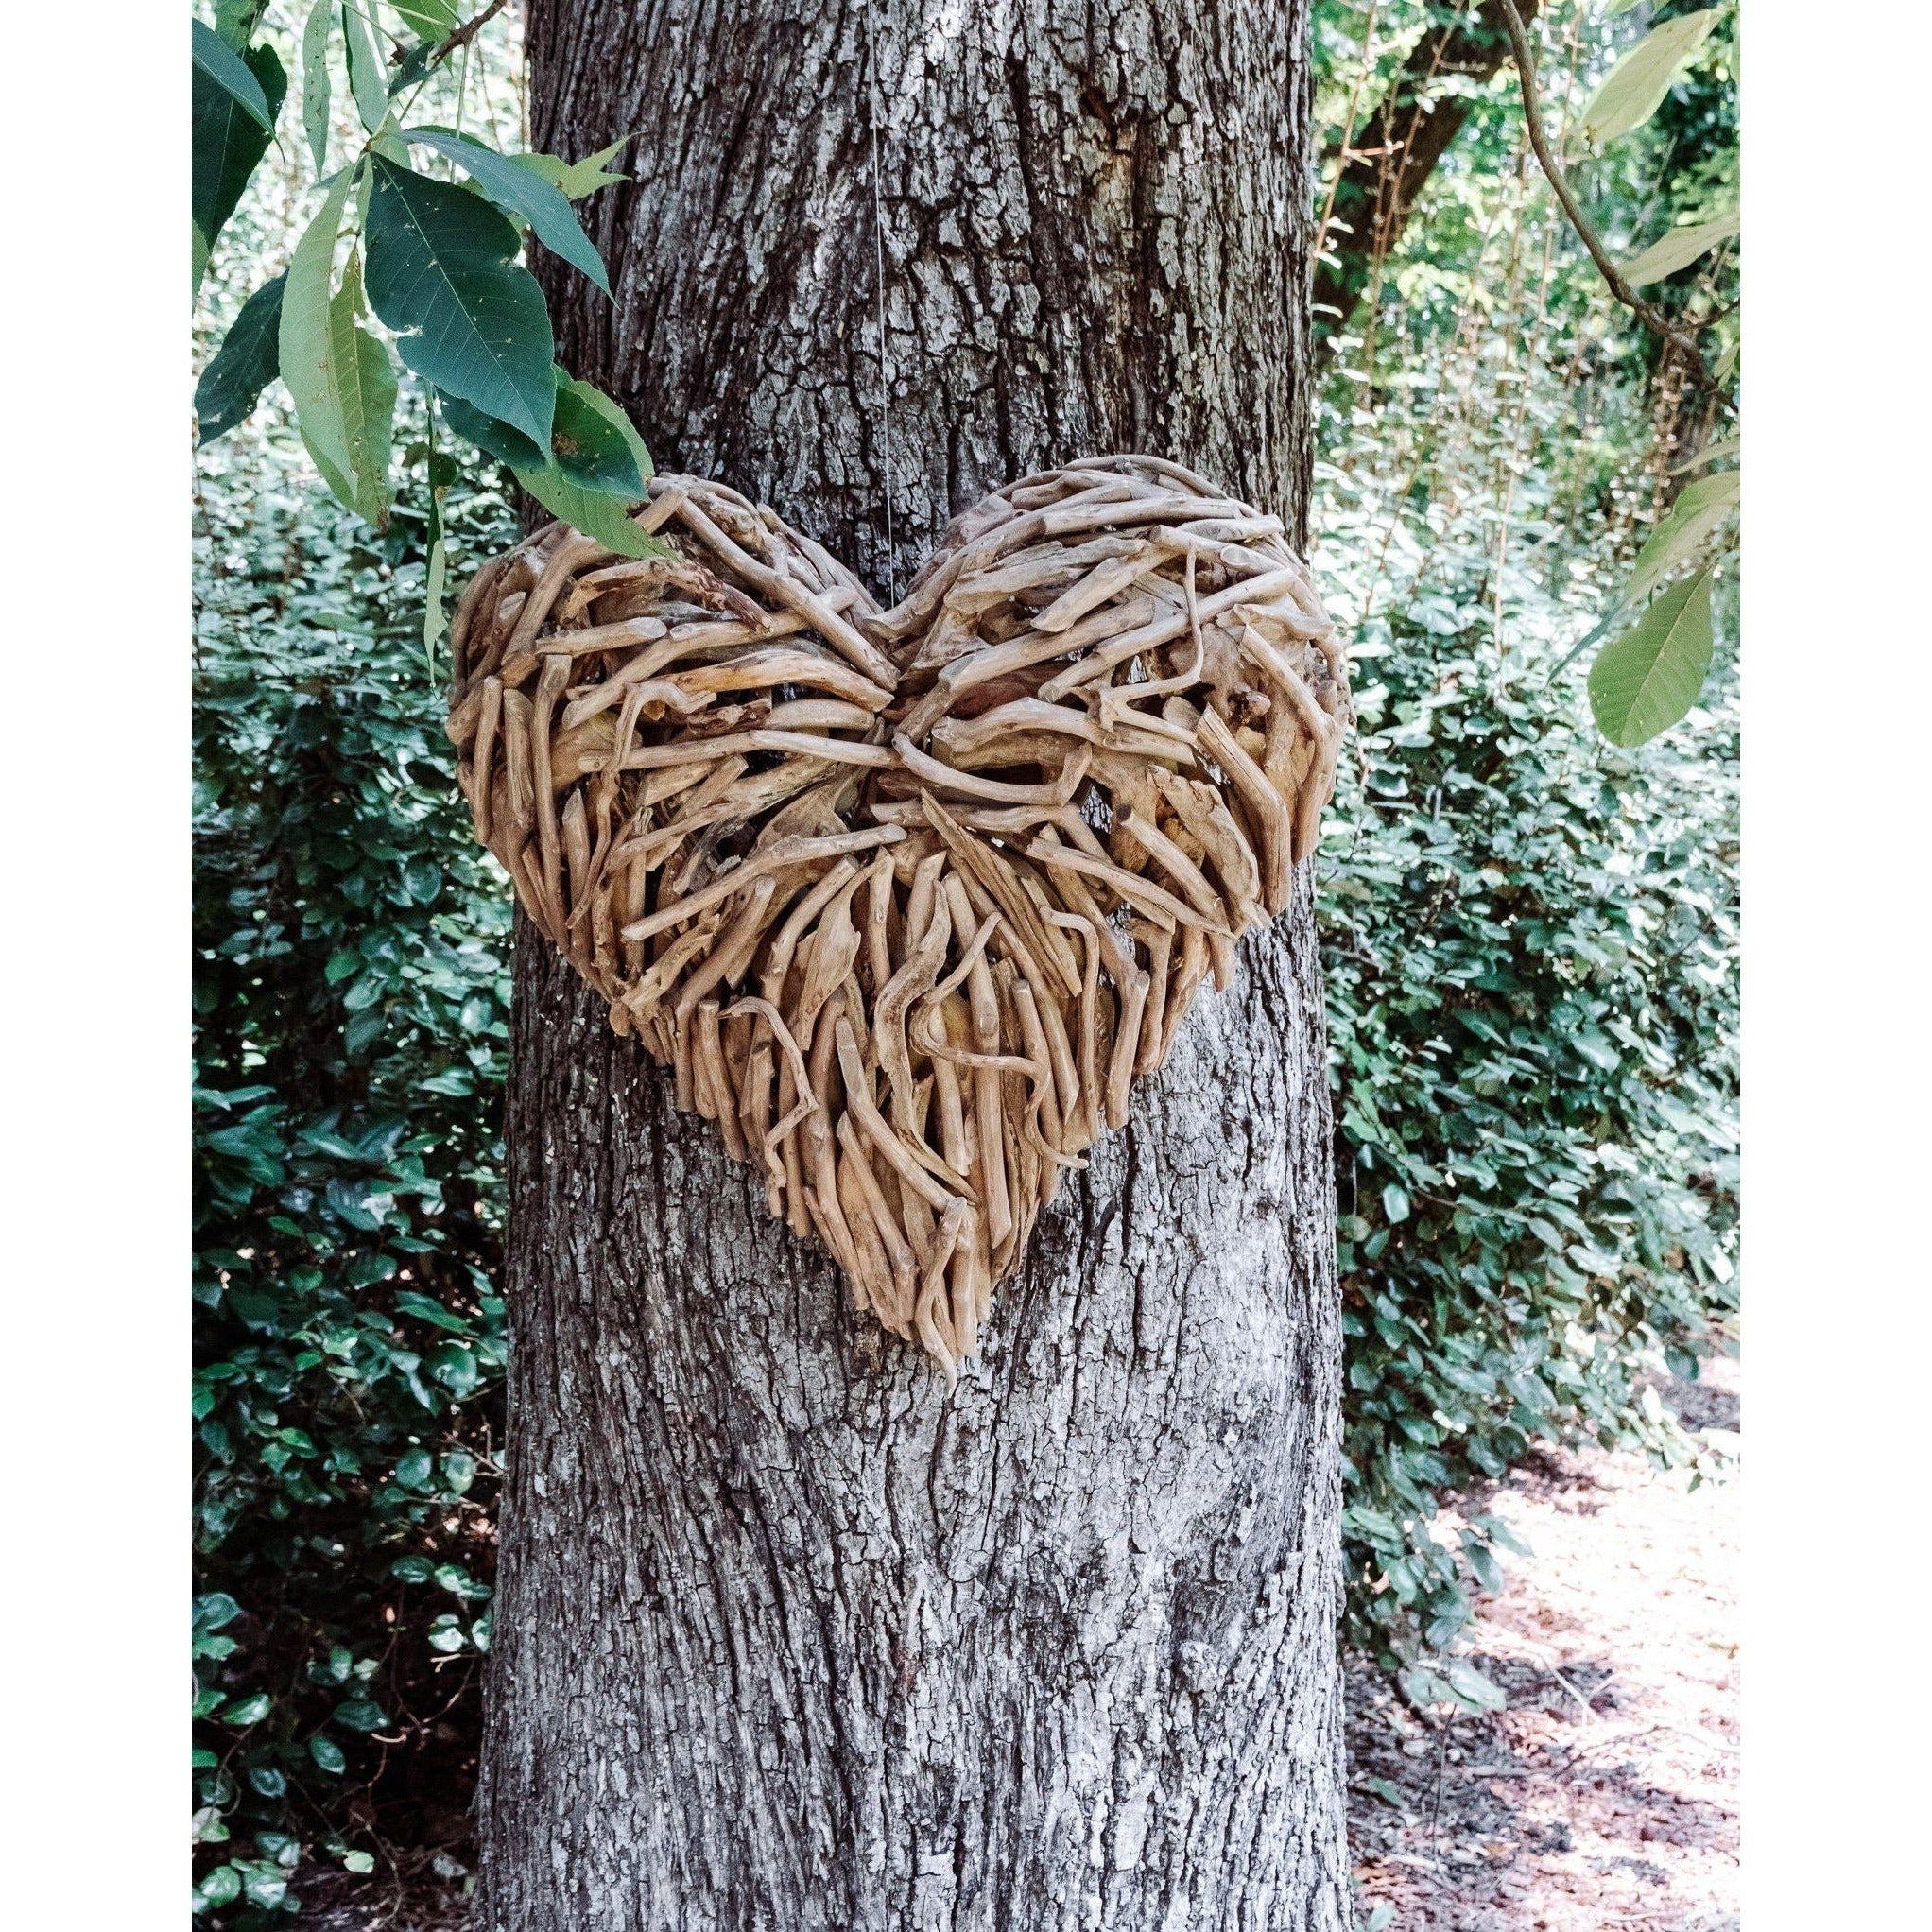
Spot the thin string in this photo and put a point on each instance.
(879, 267)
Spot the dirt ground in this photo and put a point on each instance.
(1606, 1794)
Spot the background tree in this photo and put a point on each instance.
(782, 1634)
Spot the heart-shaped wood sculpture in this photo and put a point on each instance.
(906, 898)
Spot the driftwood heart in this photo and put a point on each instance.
(906, 898)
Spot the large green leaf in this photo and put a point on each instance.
(578, 178)
(1678, 249)
(225, 69)
(231, 127)
(366, 379)
(593, 445)
(432, 19)
(314, 81)
(592, 512)
(248, 361)
(307, 347)
(1700, 508)
(1728, 450)
(1644, 682)
(366, 78)
(595, 511)
(1634, 89)
(236, 21)
(440, 275)
(492, 437)
(519, 191)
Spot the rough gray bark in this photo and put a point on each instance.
(786, 1635)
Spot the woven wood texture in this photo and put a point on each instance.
(907, 899)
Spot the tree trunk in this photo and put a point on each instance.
(786, 1635)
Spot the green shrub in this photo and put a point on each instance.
(350, 1000)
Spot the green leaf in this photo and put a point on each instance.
(593, 509)
(1634, 89)
(440, 275)
(1644, 682)
(1474, 1688)
(1700, 508)
(248, 361)
(247, 1711)
(1722, 451)
(306, 342)
(363, 1862)
(495, 438)
(593, 443)
(328, 1755)
(1678, 249)
(236, 21)
(314, 81)
(430, 19)
(434, 619)
(366, 80)
(578, 178)
(368, 382)
(226, 70)
(360, 1713)
(222, 1886)
(517, 192)
(230, 129)
(215, 1611)
(200, 259)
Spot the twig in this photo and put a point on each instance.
(1647, 312)
(466, 32)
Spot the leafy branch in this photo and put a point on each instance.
(437, 264)
(1647, 678)
(1647, 312)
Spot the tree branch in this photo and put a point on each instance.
(1647, 312)
(466, 32)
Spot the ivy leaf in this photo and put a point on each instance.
(440, 274)
(314, 81)
(577, 179)
(1634, 89)
(1644, 682)
(517, 192)
(430, 19)
(365, 79)
(1679, 249)
(248, 361)
(234, 105)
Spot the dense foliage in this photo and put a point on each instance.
(1529, 939)
(351, 990)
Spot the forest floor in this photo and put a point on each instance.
(1606, 1793)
